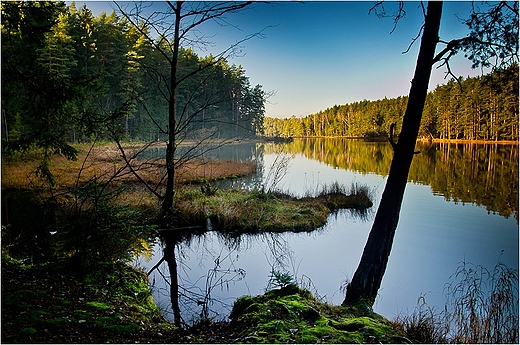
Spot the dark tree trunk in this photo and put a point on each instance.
(167, 202)
(369, 274)
(169, 257)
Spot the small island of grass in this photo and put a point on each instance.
(240, 211)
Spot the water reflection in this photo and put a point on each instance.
(433, 235)
(484, 174)
(214, 269)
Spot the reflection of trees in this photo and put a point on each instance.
(191, 298)
(484, 174)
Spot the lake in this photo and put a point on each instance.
(460, 205)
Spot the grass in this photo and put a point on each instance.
(481, 307)
(243, 211)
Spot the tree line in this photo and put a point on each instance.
(476, 108)
(69, 76)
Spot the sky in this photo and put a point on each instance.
(314, 55)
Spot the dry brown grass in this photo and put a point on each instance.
(103, 162)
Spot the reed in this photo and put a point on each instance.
(481, 307)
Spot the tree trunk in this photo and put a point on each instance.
(169, 257)
(171, 146)
(369, 274)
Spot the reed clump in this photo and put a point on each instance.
(481, 307)
(337, 196)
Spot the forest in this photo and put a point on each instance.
(68, 76)
(476, 108)
(86, 98)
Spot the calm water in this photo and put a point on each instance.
(461, 204)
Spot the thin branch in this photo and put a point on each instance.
(156, 265)
(379, 9)
(129, 165)
(419, 34)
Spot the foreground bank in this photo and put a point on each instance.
(54, 303)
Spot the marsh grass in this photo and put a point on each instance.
(481, 307)
(242, 211)
(102, 161)
(340, 196)
(257, 211)
(425, 325)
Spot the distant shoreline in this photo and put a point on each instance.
(382, 139)
(469, 141)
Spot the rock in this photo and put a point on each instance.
(311, 315)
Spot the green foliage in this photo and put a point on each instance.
(278, 280)
(40, 91)
(484, 108)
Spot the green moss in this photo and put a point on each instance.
(28, 331)
(15, 298)
(291, 314)
(48, 309)
(99, 305)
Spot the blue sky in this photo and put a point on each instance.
(317, 54)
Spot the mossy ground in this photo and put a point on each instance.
(293, 315)
(51, 303)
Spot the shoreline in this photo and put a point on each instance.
(469, 141)
(261, 139)
(382, 139)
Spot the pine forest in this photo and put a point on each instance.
(477, 108)
(96, 75)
